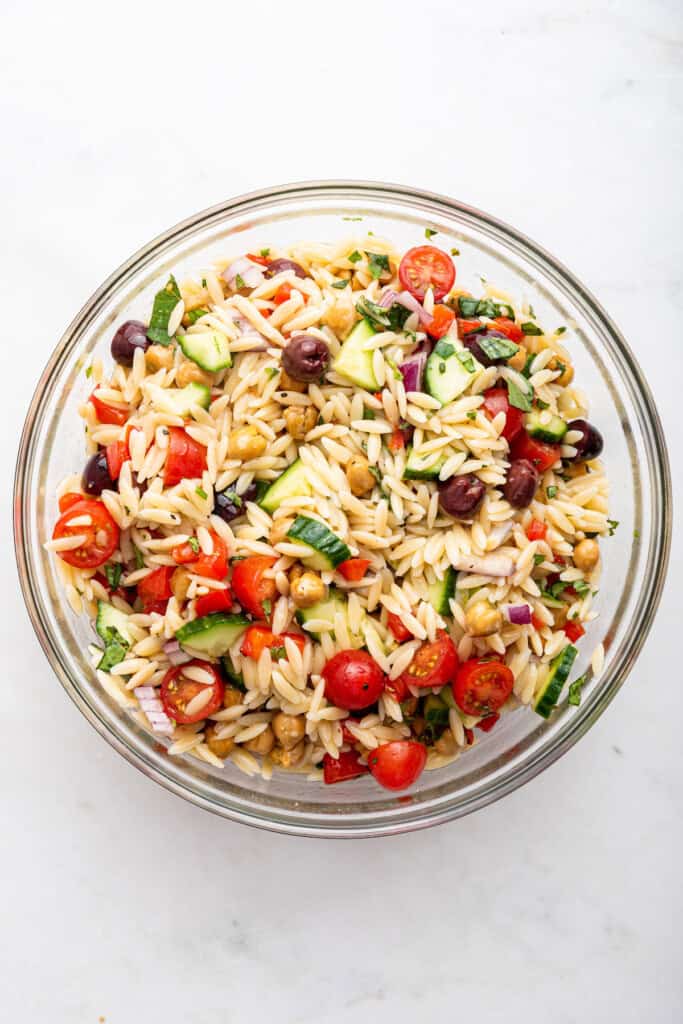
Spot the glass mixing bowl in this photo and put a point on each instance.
(620, 403)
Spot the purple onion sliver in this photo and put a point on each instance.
(388, 299)
(146, 692)
(410, 302)
(412, 371)
(519, 615)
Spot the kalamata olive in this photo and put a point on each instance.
(461, 496)
(229, 504)
(472, 342)
(306, 358)
(129, 337)
(590, 444)
(279, 265)
(522, 481)
(96, 475)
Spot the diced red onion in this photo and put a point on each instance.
(412, 371)
(251, 273)
(519, 614)
(487, 565)
(154, 710)
(410, 302)
(146, 692)
(175, 654)
(388, 299)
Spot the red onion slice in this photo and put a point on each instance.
(251, 273)
(487, 565)
(412, 371)
(410, 302)
(153, 709)
(388, 299)
(175, 654)
(519, 615)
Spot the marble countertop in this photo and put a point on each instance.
(123, 903)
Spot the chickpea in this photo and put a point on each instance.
(159, 357)
(261, 744)
(559, 616)
(361, 480)
(482, 619)
(288, 758)
(180, 584)
(295, 573)
(288, 383)
(190, 373)
(307, 590)
(232, 697)
(586, 555)
(220, 747)
(289, 729)
(562, 363)
(341, 316)
(300, 419)
(446, 745)
(518, 361)
(246, 443)
(279, 530)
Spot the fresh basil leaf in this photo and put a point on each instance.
(201, 493)
(88, 371)
(377, 315)
(272, 371)
(139, 558)
(612, 523)
(455, 252)
(517, 398)
(575, 688)
(540, 404)
(497, 348)
(165, 302)
(581, 587)
(398, 315)
(468, 307)
(115, 648)
(267, 606)
(444, 348)
(430, 232)
(368, 414)
(539, 559)
(526, 372)
(355, 256)
(378, 264)
(551, 491)
(529, 328)
(340, 284)
(278, 652)
(196, 314)
(560, 330)
(239, 283)
(264, 253)
(194, 544)
(113, 571)
(472, 415)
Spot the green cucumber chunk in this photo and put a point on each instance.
(441, 592)
(112, 627)
(560, 667)
(208, 349)
(450, 369)
(329, 549)
(415, 468)
(354, 362)
(325, 611)
(212, 635)
(552, 432)
(293, 483)
(185, 399)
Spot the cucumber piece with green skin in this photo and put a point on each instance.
(330, 551)
(325, 611)
(208, 349)
(415, 468)
(212, 635)
(450, 369)
(560, 667)
(441, 592)
(108, 618)
(236, 679)
(185, 399)
(293, 483)
(355, 362)
(552, 432)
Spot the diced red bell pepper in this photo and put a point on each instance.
(346, 766)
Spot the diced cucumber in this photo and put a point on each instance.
(553, 431)
(415, 468)
(354, 361)
(293, 483)
(236, 678)
(185, 399)
(450, 369)
(325, 611)
(212, 635)
(208, 349)
(108, 618)
(442, 591)
(560, 667)
(329, 549)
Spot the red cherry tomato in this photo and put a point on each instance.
(397, 688)
(67, 500)
(116, 453)
(398, 764)
(481, 687)
(400, 632)
(466, 326)
(542, 455)
(442, 319)
(353, 680)
(284, 293)
(108, 413)
(425, 267)
(186, 458)
(353, 569)
(488, 723)
(257, 259)
(574, 631)
(509, 328)
(347, 735)
(215, 565)
(536, 530)
(495, 401)
(215, 601)
(185, 554)
(155, 589)
(177, 691)
(434, 664)
(258, 637)
(101, 533)
(346, 766)
(251, 587)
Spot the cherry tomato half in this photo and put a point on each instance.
(257, 259)
(249, 585)
(442, 319)
(178, 692)
(434, 664)
(398, 764)
(495, 401)
(536, 530)
(215, 601)
(509, 328)
(400, 632)
(488, 723)
(67, 500)
(101, 533)
(346, 766)
(353, 680)
(481, 687)
(258, 637)
(108, 413)
(186, 458)
(215, 565)
(539, 453)
(185, 554)
(425, 267)
(155, 589)
(466, 326)
(353, 569)
(116, 454)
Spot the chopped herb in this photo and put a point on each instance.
(581, 587)
(551, 491)
(377, 315)
(196, 314)
(529, 328)
(497, 348)
(355, 256)
(373, 470)
(204, 284)
(466, 360)
(201, 493)
(378, 264)
(455, 252)
(267, 606)
(239, 282)
(278, 652)
(636, 534)
(194, 544)
(264, 252)
(444, 348)
(561, 367)
(115, 648)
(398, 315)
(540, 404)
(527, 366)
(139, 558)
(113, 572)
(538, 559)
(368, 414)
(272, 371)
(517, 398)
(430, 232)
(575, 688)
(484, 307)
(531, 311)
(560, 330)
(442, 367)
(352, 218)
(88, 371)
(165, 301)
(612, 523)
(340, 284)
(394, 368)
(471, 415)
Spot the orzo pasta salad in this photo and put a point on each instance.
(337, 515)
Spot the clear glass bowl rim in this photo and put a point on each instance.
(657, 556)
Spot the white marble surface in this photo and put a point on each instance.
(120, 901)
